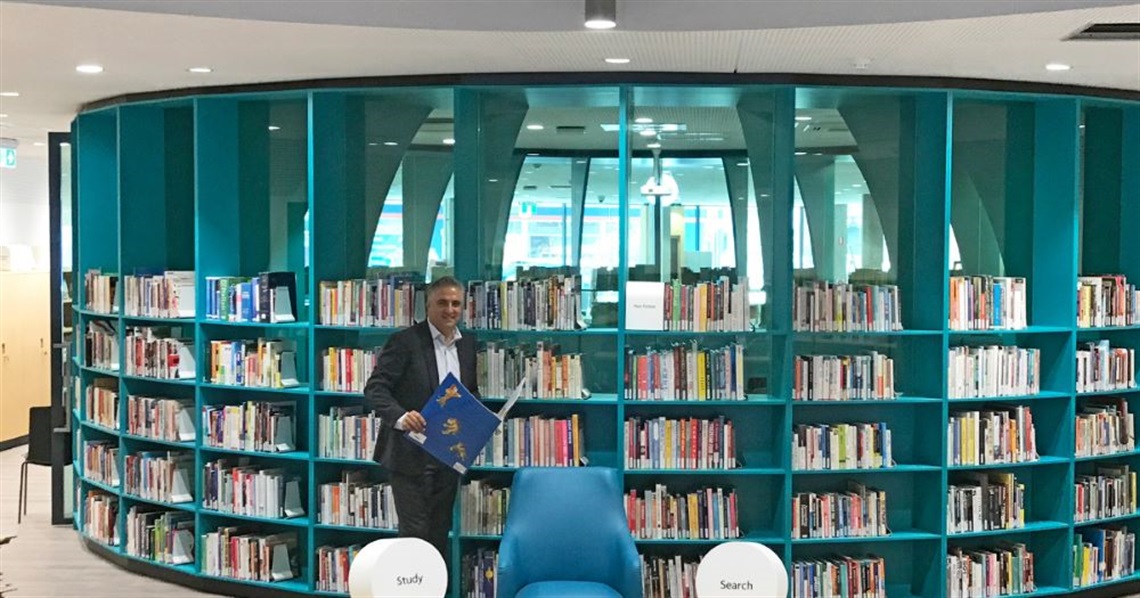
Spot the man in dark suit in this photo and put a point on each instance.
(411, 366)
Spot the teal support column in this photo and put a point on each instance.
(1053, 175)
(872, 234)
(736, 179)
(425, 177)
(977, 211)
(1130, 194)
(341, 234)
(288, 190)
(501, 117)
(385, 120)
(875, 123)
(466, 233)
(579, 181)
(142, 203)
(1110, 240)
(762, 134)
(253, 188)
(816, 178)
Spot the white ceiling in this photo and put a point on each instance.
(40, 44)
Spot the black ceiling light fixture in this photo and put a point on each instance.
(601, 14)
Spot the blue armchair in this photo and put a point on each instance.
(567, 535)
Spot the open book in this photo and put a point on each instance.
(458, 424)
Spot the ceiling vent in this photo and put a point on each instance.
(570, 130)
(1109, 32)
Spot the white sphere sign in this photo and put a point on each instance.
(741, 570)
(403, 567)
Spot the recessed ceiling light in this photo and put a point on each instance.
(643, 120)
(601, 23)
(10, 94)
(89, 69)
(274, 128)
(449, 141)
(372, 144)
(1057, 66)
(745, 163)
(803, 119)
(617, 60)
(492, 180)
(39, 144)
(535, 127)
(579, 161)
(653, 145)
(3, 116)
(857, 185)
(533, 154)
(391, 143)
(648, 133)
(801, 153)
(200, 69)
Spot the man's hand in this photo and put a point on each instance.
(414, 422)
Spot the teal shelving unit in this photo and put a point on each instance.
(1040, 186)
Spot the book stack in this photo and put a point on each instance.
(1102, 367)
(993, 371)
(844, 377)
(161, 418)
(169, 294)
(269, 297)
(1105, 427)
(101, 345)
(238, 487)
(985, 572)
(241, 553)
(160, 352)
(821, 306)
(536, 441)
(483, 508)
(688, 443)
(101, 461)
(160, 536)
(554, 303)
(355, 501)
(821, 447)
(101, 517)
(1109, 493)
(1103, 554)
(982, 502)
(479, 572)
(102, 402)
(347, 433)
(997, 435)
(859, 512)
(160, 475)
(346, 369)
(333, 563)
(988, 303)
(668, 577)
(549, 373)
(705, 514)
(1107, 301)
(264, 363)
(686, 372)
(251, 426)
(396, 301)
(840, 577)
(101, 291)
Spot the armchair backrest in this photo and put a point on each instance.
(567, 524)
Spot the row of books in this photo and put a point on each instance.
(356, 501)
(168, 294)
(101, 517)
(705, 514)
(159, 352)
(549, 373)
(479, 573)
(668, 576)
(160, 536)
(269, 297)
(985, 501)
(347, 433)
(843, 377)
(235, 486)
(1104, 427)
(822, 306)
(101, 345)
(997, 435)
(1103, 554)
(817, 447)
(240, 552)
(988, 303)
(1101, 367)
(250, 426)
(101, 402)
(1109, 493)
(333, 564)
(101, 461)
(392, 302)
(345, 369)
(717, 306)
(553, 303)
(859, 512)
(264, 363)
(536, 441)
(161, 418)
(686, 443)
(840, 576)
(101, 291)
(686, 372)
(483, 508)
(1107, 301)
(993, 371)
(984, 572)
(160, 475)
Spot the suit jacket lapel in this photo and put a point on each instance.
(428, 349)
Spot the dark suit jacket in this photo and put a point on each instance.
(404, 378)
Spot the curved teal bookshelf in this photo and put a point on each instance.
(201, 184)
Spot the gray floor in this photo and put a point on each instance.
(31, 563)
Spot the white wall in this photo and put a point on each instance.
(24, 210)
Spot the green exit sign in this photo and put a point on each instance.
(7, 157)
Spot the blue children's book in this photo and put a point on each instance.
(458, 424)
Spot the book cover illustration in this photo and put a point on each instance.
(458, 425)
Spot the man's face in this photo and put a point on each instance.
(443, 309)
